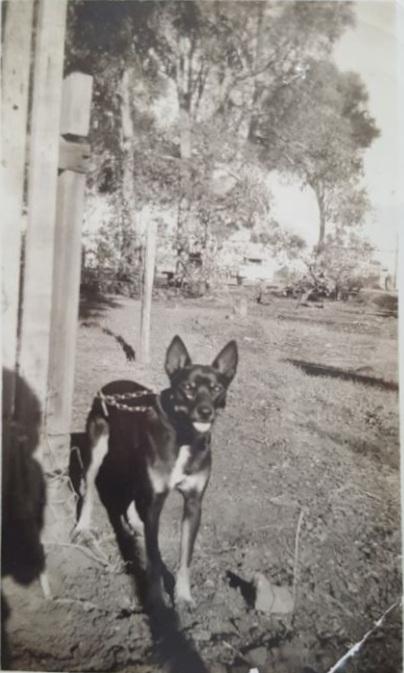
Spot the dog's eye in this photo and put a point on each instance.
(189, 387)
(216, 387)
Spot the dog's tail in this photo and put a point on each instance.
(128, 350)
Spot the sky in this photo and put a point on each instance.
(371, 49)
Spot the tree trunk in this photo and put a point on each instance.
(186, 132)
(321, 233)
(147, 287)
(252, 126)
(184, 204)
(322, 216)
(128, 219)
(184, 81)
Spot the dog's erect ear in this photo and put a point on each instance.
(177, 356)
(226, 361)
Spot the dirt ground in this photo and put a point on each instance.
(305, 490)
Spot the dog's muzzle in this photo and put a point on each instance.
(203, 417)
(201, 426)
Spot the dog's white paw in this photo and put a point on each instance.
(183, 592)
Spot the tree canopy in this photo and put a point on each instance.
(196, 102)
(317, 130)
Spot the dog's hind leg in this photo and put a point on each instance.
(98, 433)
(134, 520)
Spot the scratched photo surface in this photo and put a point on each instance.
(201, 461)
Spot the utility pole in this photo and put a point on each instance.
(395, 277)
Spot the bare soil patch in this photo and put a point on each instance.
(290, 446)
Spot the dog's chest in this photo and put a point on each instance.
(184, 474)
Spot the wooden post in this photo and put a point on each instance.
(65, 302)
(15, 76)
(148, 278)
(44, 151)
(395, 277)
(75, 120)
(76, 104)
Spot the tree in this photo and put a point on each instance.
(195, 45)
(218, 64)
(224, 58)
(345, 261)
(317, 129)
(100, 40)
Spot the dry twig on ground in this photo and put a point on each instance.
(296, 557)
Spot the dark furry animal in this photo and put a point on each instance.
(137, 458)
(23, 498)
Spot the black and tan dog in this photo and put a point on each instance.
(146, 446)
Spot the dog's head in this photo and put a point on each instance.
(198, 391)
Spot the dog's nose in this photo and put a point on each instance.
(205, 412)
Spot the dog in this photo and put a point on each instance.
(138, 454)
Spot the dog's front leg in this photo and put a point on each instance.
(151, 518)
(190, 525)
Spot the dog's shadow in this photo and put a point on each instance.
(173, 649)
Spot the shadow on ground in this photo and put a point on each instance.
(173, 650)
(313, 369)
(94, 305)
